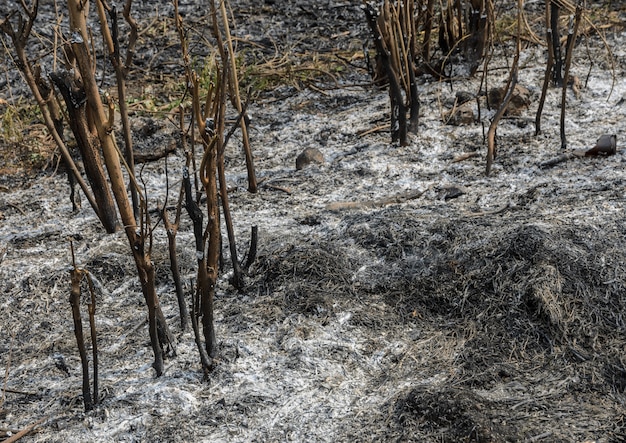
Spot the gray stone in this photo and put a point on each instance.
(309, 156)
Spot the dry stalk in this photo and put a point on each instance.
(210, 123)
(91, 308)
(205, 360)
(252, 184)
(111, 39)
(398, 108)
(549, 68)
(395, 28)
(252, 251)
(79, 122)
(172, 229)
(555, 34)
(238, 280)
(132, 38)
(43, 96)
(219, 118)
(196, 215)
(208, 168)
(76, 277)
(138, 236)
(571, 41)
(428, 26)
(511, 83)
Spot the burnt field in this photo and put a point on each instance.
(398, 293)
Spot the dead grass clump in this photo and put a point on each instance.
(389, 233)
(111, 267)
(25, 158)
(520, 294)
(450, 415)
(292, 69)
(518, 289)
(312, 276)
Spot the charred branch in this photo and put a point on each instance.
(555, 43)
(76, 277)
(398, 108)
(88, 145)
(19, 37)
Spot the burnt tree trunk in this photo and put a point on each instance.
(88, 146)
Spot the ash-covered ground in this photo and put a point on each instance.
(399, 294)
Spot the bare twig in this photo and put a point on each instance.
(252, 185)
(137, 236)
(172, 229)
(555, 34)
(573, 32)
(238, 280)
(398, 108)
(19, 38)
(111, 38)
(254, 239)
(205, 360)
(132, 38)
(549, 68)
(91, 307)
(24, 432)
(512, 82)
(463, 157)
(560, 159)
(277, 188)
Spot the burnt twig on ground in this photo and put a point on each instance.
(560, 159)
(395, 199)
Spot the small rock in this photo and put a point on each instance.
(519, 101)
(463, 97)
(308, 156)
(606, 145)
(450, 192)
(310, 220)
(459, 98)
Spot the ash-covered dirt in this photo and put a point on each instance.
(399, 294)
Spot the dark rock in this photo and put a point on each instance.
(308, 156)
(519, 101)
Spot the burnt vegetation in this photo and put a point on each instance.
(70, 96)
(499, 304)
